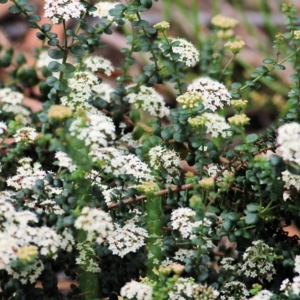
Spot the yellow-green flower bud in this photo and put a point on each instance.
(189, 99)
(235, 46)
(296, 34)
(59, 112)
(27, 252)
(239, 120)
(207, 183)
(225, 34)
(239, 104)
(148, 187)
(162, 26)
(198, 121)
(224, 22)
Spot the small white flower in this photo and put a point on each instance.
(289, 141)
(95, 131)
(167, 160)
(188, 54)
(126, 239)
(213, 93)
(3, 127)
(262, 295)
(102, 10)
(63, 10)
(149, 100)
(26, 135)
(99, 63)
(137, 290)
(97, 224)
(65, 161)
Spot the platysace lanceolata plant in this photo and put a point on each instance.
(94, 185)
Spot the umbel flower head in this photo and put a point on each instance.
(162, 26)
(189, 99)
(188, 54)
(224, 22)
(235, 46)
(213, 93)
(63, 10)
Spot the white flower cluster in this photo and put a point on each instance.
(102, 9)
(182, 219)
(262, 295)
(93, 129)
(214, 94)
(65, 161)
(25, 135)
(137, 291)
(97, 223)
(3, 127)
(216, 125)
(126, 239)
(149, 100)
(26, 174)
(290, 180)
(289, 141)
(234, 290)
(82, 85)
(26, 177)
(11, 103)
(297, 264)
(188, 54)
(227, 263)
(117, 163)
(182, 254)
(86, 258)
(16, 233)
(98, 63)
(184, 287)
(255, 261)
(103, 90)
(58, 10)
(167, 160)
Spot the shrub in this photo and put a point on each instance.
(94, 184)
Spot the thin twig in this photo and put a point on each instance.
(143, 197)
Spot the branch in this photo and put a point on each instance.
(143, 197)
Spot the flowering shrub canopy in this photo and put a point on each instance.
(95, 184)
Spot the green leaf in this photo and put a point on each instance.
(53, 42)
(77, 50)
(66, 68)
(146, 3)
(279, 67)
(253, 207)
(167, 133)
(262, 69)
(46, 27)
(54, 66)
(251, 138)
(134, 115)
(51, 80)
(137, 132)
(269, 61)
(293, 168)
(236, 85)
(233, 216)
(20, 59)
(251, 218)
(227, 224)
(178, 137)
(14, 9)
(56, 53)
(33, 18)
